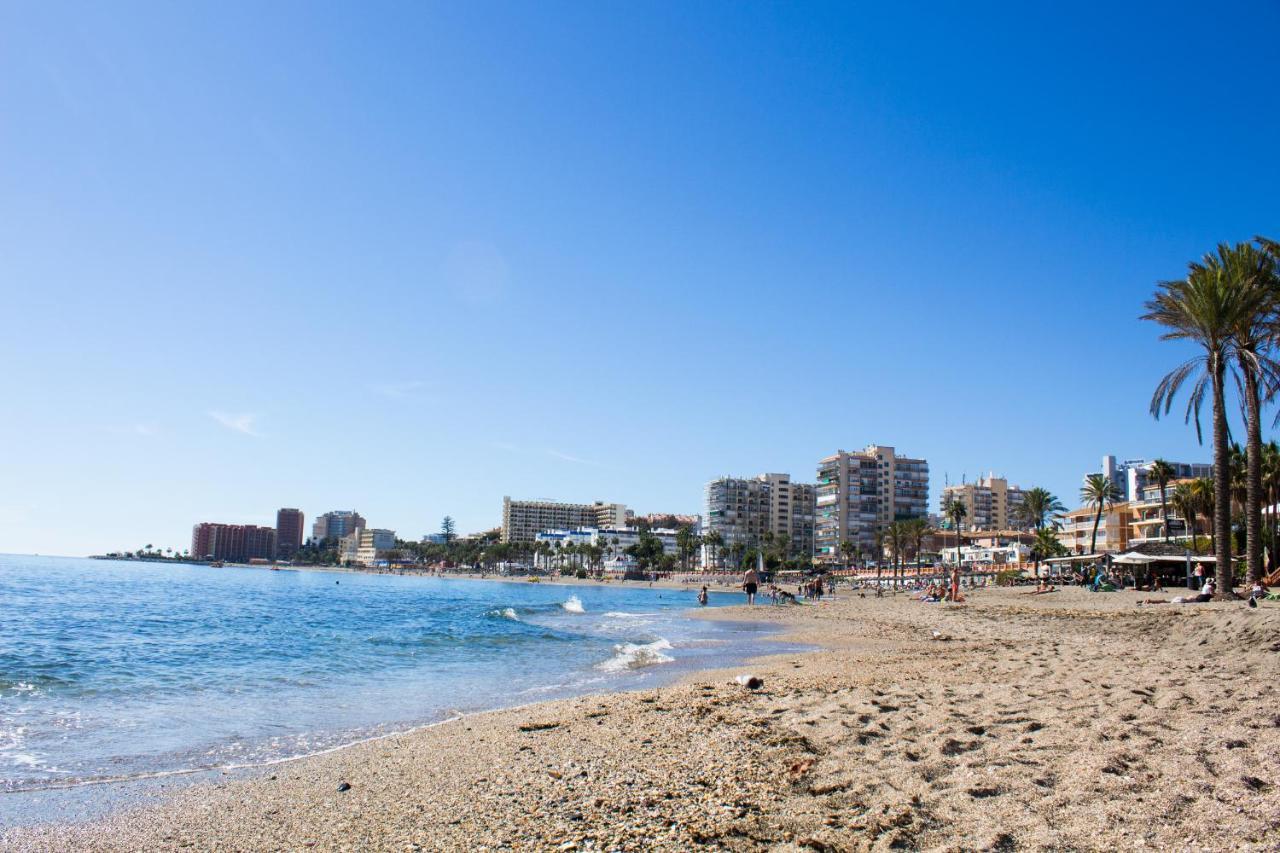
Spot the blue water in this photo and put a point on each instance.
(118, 671)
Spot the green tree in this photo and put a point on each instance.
(1040, 507)
(1208, 308)
(1186, 504)
(447, 530)
(1099, 493)
(1046, 546)
(1204, 488)
(1162, 472)
(1255, 335)
(915, 530)
(954, 510)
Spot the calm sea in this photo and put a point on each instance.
(121, 671)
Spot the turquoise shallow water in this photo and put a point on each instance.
(115, 671)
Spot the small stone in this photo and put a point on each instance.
(344, 786)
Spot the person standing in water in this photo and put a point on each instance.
(702, 596)
(750, 583)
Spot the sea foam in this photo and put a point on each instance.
(574, 605)
(637, 655)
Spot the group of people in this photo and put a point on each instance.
(812, 590)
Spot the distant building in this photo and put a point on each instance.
(744, 510)
(336, 524)
(1149, 521)
(289, 527)
(990, 504)
(1113, 529)
(365, 547)
(523, 520)
(615, 540)
(237, 543)
(1131, 475)
(861, 493)
(670, 520)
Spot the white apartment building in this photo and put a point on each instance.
(859, 494)
(743, 510)
(366, 547)
(990, 504)
(615, 540)
(1132, 475)
(336, 524)
(522, 521)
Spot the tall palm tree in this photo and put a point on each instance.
(1045, 546)
(954, 510)
(1186, 504)
(1162, 472)
(1271, 495)
(916, 529)
(1203, 489)
(1040, 507)
(846, 550)
(1207, 308)
(1100, 493)
(1255, 341)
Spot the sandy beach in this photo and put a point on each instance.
(1069, 721)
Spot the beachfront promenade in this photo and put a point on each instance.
(1014, 722)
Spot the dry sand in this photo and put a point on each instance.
(1072, 721)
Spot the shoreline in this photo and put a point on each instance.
(127, 791)
(892, 737)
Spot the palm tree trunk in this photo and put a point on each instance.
(1253, 495)
(1093, 540)
(1222, 484)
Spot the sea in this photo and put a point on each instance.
(114, 673)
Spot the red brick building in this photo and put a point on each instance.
(289, 524)
(238, 543)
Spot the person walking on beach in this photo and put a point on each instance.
(750, 583)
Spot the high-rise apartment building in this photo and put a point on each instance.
(289, 526)
(237, 543)
(742, 510)
(522, 521)
(990, 504)
(1133, 475)
(336, 524)
(861, 493)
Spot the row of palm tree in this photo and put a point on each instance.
(1228, 305)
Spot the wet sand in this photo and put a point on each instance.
(1067, 721)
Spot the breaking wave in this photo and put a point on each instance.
(637, 655)
(574, 605)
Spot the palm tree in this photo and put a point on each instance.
(1040, 507)
(896, 538)
(1207, 308)
(1046, 545)
(714, 541)
(1186, 503)
(1100, 493)
(916, 529)
(1203, 488)
(1271, 494)
(1255, 339)
(1162, 472)
(954, 510)
(846, 550)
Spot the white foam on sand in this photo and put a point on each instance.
(637, 655)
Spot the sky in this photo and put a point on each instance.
(408, 258)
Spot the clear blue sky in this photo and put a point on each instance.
(408, 258)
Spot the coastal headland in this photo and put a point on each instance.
(1013, 722)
